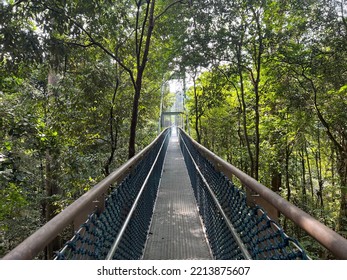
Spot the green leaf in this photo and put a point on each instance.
(8, 145)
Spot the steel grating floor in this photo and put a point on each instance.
(176, 231)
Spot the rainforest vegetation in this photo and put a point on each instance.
(82, 83)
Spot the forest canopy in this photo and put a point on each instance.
(82, 84)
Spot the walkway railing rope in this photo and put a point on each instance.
(125, 213)
(263, 237)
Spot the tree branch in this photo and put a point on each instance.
(149, 36)
(142, 34)
(343, 16)
(81, 45)
(321, 117)
(137, 31)
(168, 8)
(18, 2)
(96, 43)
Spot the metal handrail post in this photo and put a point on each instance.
(328, 238)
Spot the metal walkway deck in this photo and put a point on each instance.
(176, 231)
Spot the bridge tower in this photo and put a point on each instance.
(176, 114)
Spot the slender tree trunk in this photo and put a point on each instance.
(244, 109)
(256, 82)
(51, 183)
(342, 170)
(303, 171)
(113, 132)
(258, 52)
(276, 181)
(134, 118)
(142, 58)
(319, 174)
(51, 170)
(257, 136)
(309, 172)
(287, 173)
(333, 167)
(196, 104)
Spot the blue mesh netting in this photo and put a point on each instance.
(96, 236)
(263, 238)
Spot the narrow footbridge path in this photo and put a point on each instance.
(177, 200)
(177, 230)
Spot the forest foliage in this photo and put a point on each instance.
(81, 84)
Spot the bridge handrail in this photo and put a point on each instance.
(36, 242)
(328, 238)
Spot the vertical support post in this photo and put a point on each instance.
(254, 199)
(160, 121)
(98, 204)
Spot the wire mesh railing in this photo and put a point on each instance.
(275, 205)
(120, 231)
(234, 230)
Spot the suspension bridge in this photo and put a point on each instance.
(177, 200)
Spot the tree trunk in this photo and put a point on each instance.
(287, 173)
(257, 135)
(309, 172)
(51, 171)
(141, 65)
(258, 52)
(197, 130)
(113, 132)
(134, 118)
(342, 170)
(303, 171)
(319, 174)
(287, 158)
(244, 110)
(52, 189)
(276, 181)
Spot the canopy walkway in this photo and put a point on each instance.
(177, 200)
